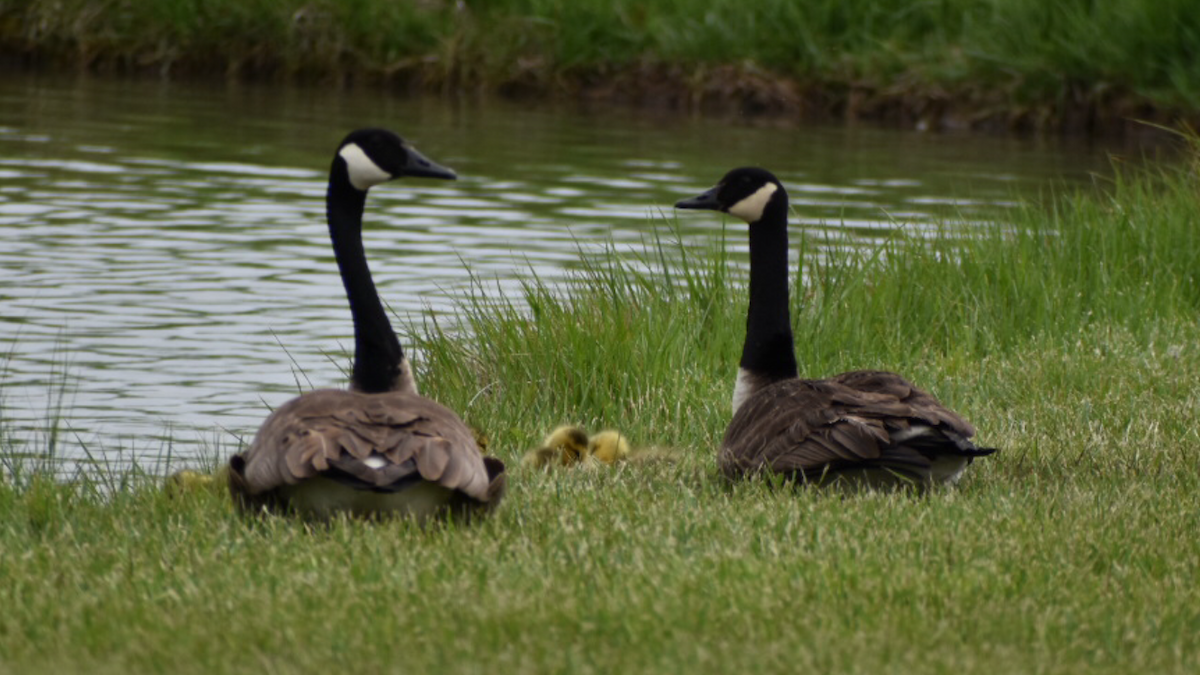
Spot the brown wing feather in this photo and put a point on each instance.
(928, 408)
(406, 437)
(808, 428)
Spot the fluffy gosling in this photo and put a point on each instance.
(609, 446)
(188, 482)
(565, 446)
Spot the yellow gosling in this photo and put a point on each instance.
(565, 446)
(571, 441)
(481, 438)
(189, 481)
(609, 446)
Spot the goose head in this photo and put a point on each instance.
(374, 156)
(745, 193)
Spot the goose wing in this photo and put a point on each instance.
(385, 442)
(921, 405)
(864, 420)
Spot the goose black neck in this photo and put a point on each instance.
(377, 353)
(769, 351)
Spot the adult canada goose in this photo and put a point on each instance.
(379, 447)
(863, 428)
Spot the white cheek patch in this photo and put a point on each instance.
(750, 209)
(364, 173)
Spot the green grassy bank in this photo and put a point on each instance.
(1070, 338)
(1074, 64)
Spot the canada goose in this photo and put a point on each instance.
(379, 447)
(864, 428)
(565, 446)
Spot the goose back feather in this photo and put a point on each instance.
(371, 450)
(864, 427)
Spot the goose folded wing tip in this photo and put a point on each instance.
(433, 455)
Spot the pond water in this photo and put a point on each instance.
(165, 271)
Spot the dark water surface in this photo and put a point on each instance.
(164, 251)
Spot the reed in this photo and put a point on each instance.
(1070, 64)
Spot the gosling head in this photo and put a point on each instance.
(571, 441)
(745, 193)
(374, 156)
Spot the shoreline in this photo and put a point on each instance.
(1068, 67)
(744, 91)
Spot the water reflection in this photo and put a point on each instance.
(165, 245)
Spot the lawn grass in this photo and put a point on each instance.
(1068, 336)
(1068, 64)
